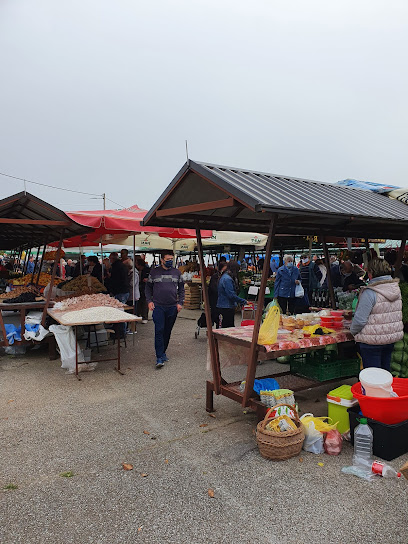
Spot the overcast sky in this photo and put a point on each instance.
(100, 95)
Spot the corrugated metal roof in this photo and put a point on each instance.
(271, 191)
(194, 197)
(24, 208)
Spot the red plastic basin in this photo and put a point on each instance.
(247, 322)
(388, 410)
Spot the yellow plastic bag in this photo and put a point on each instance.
(268, 333)
(319, 423)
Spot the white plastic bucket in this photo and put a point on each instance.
(376, 382)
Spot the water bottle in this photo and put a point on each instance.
(363, 444)
(384, 470)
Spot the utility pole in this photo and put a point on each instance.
(104, 201)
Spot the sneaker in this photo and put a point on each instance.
(165, 358)
(159, 363)
(144, 321)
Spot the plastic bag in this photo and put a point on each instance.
(313, 438)
(333, 442)
(65, 338)
(299, 291)
(268, 333)
(319, 422)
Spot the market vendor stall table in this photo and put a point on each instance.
(23, 308)
(233, 348)
(61, 317)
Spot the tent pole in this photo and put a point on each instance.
(103, 271)
(310, 247)
(80, 260)
(133, 287)
(329, 278)
(213, 349)
(54, 271)
(253, 353)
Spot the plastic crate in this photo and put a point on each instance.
(390, 441)
(326, 369)
(313, 357)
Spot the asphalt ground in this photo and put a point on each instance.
(156, 421)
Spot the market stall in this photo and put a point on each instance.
(29, 222)
(204, 195)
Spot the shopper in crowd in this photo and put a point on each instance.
(69, 269)
(80, 264)
(94, 267)
(30, 265)
(377, 323)
(287, 277)
(227, 295)
(144, 271)
(126, 260)
(273, 265)
(213, 291)
(244, 265)
(350, 279)
(335, 272)
(119, 285)
(165, 297)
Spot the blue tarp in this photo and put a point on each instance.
(367, 185)
(13, 333)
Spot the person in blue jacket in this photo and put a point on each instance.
(287, 278)
(227, 296)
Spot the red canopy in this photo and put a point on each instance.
(120, 222)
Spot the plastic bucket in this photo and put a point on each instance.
(376, 382)
(388, 410)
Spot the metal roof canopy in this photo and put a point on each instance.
(223, 198)
(27, 221)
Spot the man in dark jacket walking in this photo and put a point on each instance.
(119, 279)
(165, 296)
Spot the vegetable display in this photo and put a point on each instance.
(399, 358)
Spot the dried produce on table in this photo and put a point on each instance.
(99, 314)
(88, 301)
(52, 255)
(24, 297)
(19, 291)
(84, 283)
(25, 280)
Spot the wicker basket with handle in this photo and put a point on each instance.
(279, 446)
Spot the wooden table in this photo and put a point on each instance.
(59, 315)
(286, 380)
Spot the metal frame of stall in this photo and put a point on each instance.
(28, 222)
(217, 197)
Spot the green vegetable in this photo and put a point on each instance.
(395, 374)
(404, 294)
(284, 359)
(405, 339)
(396, 367)
(399, 346)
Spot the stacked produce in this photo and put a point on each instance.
(88, 301)
(25, 280)
(52, 255)
(399, 359)
(87, 284)
(24, 297)
(19, 291)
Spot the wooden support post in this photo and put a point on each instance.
(41, 263)
(329, 278)
(211, 343)
(253, 353)
(54, 271)
(400, 256)
(35, 264)
(367, 244)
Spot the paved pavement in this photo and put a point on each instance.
(153, 419)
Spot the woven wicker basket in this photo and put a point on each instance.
(279, 446)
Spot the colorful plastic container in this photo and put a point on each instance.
(339, 400)
(388, 410)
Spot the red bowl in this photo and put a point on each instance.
(389, 410)
(336, 313)
(326, 321)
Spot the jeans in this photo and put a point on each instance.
(142, 308)
(164, 318)
(287, 304)
(378, 356)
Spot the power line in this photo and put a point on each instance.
(124, 207)
(51, 186)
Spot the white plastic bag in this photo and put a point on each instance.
(299, 291)
(65, 338)
(313, 438)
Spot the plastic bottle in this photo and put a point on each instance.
(384, 470)
(363, 444)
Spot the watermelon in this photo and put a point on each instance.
(399, 346)
(285, 359)
(396, 367)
